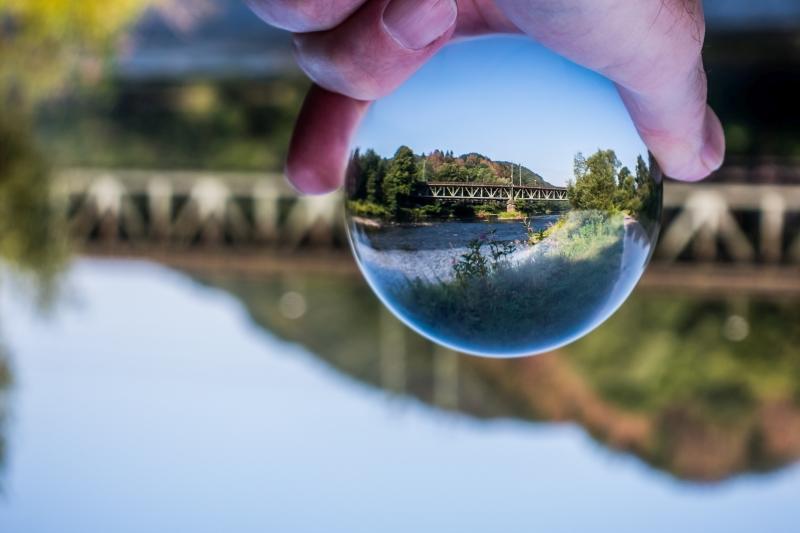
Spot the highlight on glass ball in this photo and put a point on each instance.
(501, 202)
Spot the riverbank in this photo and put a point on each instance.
(436, 212)
(482, 286)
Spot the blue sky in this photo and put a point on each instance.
(510, 99)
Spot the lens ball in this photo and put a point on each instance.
(501, 202)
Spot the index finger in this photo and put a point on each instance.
(304, 15)
(652, 50)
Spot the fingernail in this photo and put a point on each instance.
(713, 151)
(415, 24)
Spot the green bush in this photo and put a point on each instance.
(364, 208)
(493, 301)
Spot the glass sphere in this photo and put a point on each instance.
(501, 202)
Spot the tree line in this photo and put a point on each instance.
(602, 183)
(386, 186)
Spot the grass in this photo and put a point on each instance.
(501, 303)
(364, 208)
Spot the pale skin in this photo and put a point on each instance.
(357, 51)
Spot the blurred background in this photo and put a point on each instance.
(186, 345)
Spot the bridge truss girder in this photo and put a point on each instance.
(490, 193)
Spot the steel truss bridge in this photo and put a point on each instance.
(481, 192)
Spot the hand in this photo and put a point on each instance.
(360, 50)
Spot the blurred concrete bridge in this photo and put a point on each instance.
(183, 214)
(191, 209)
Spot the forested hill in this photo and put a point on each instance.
(387, 185)
(475, 167)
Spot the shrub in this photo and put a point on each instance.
(493, 299)
(365, 208)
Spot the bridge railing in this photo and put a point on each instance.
(506, 185)
(489, 192)
(183, 209)
(706, 222)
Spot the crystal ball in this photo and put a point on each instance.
(501, 202)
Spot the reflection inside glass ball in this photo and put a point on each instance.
(501, 202)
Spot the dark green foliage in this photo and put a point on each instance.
(400, 179)
(648, 193)
(32, 236)
(365, 176)
(389, 183)
(541, 207)
(221, 125)
(626, 190)
(602, 183)
(5, 371)
(452, 172)
(474, 264)
(431, 211)
(5, 384)
(356, 179)
(663, 356)
(569, 282)
(477, 168)
(373, 167)
(464, 211)
(675, 350)
(595, 185)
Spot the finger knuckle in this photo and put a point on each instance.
(300, 15)
(689, 24)
(341, 69)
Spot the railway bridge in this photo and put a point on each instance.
(483, 192)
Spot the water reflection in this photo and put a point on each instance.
(33, 238)
(33, 247)
(5, 384)
(504, 297)
(210, 423)
(669, 379)
(217, 425)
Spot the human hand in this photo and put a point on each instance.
(357, 51)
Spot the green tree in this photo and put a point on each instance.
(626, 191)
(642, 173)
(645, 194)
(579, 165)
(595, 184)
(356, 178)
(451, 171)
(482, 174)
(44, 41)
(401, 177)
(33, 241)
(365, 176)
(373, 167)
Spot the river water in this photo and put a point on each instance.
(444, 235)
(395, 253)
(534, 298)
(150, 402)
